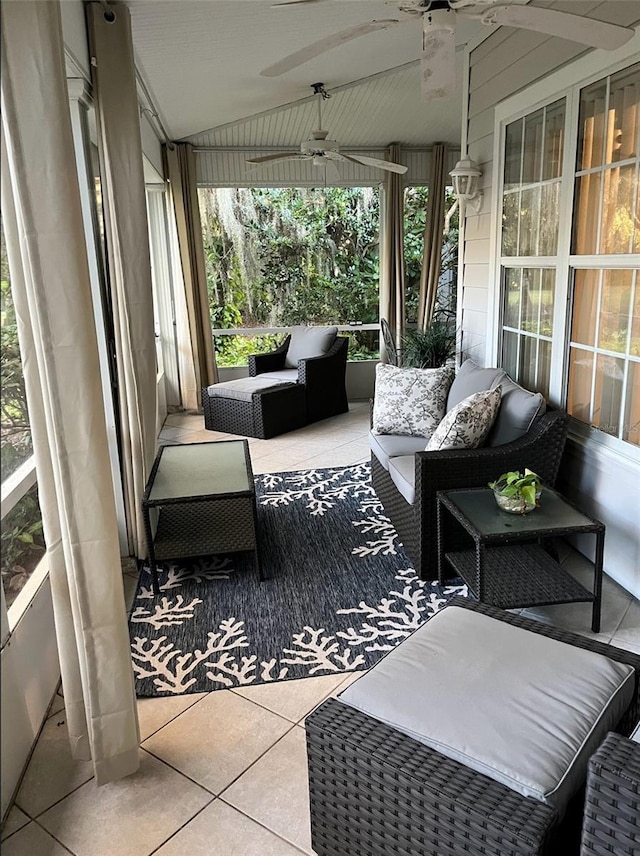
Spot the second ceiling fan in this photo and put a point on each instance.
(322, 151)
(438, 19)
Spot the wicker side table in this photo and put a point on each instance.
(507, 566)
(612, 804)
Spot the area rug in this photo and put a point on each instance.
(341, 593)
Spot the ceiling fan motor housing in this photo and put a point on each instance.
(318, 144)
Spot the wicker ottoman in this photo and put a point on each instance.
(254, 407)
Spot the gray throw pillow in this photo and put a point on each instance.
(518, 409)
(308, 342)
(472, 378)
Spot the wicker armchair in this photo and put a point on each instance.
(540, 449)
(324, 378)
(612, 804)
(376, 792)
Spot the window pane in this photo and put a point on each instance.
(554, 140)
(615, 310)
(530, 301)
(549, 219)
(608, 394)
(593, 101)
(624, 100)
(544, 367)
(510, 353)
(528, 360)
(22, 544)
(512, 298)
(631, 428)
(510, 212)
(617, 210)
(587, 206)
(547, 301)
(513, 154)
(634, 347)
(533, 147)
(529, 222)
(15, 444)
(580, 377)
(585, 307)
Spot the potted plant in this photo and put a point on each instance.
(516, 492)
(429, 348)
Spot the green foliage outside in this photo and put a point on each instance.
(276, 257)
(21, 530)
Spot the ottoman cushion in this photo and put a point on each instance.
(243, 388)
(521, 708)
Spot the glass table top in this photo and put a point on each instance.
(200, 469)
(480, 508)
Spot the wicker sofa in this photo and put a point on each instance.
(375, 791)
(540, 449)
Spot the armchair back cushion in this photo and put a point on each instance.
(308, 342)
(410, 401)
(472, 378)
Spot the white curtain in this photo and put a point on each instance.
(392, 251)
(51, 289)
(127, 239)
(184, 196)
(433, 235)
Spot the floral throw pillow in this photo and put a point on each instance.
(410, 401)
(468, 423)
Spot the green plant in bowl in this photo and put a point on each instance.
(517, 492)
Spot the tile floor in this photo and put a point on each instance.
(224, 773)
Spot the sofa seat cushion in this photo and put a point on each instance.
(518, 707)
(403, 474)
(410, 401)
(308, 342)
(518, 409)
(385, 446)
(472, 378)
(243, 388)
(281, 376)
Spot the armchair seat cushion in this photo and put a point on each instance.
(308, 342)
(281, 376)
(519, 707)
(386, 446)
(403, 474)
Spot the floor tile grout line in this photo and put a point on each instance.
(263, 825)
(183, 826)
(173, 718)
(39, 814)
(262, 754)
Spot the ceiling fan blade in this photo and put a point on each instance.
(574, 28)
(295, 3)
(323, 45)
(438, 61)
(381, 164)
(279, 156)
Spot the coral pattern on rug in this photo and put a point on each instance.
(341, 592)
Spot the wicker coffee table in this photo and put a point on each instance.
(508, 565)
(200, 500)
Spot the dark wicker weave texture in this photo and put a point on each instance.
(323, 378)
(612, 805)
(540, 449)
(377, 792)
(270, 412)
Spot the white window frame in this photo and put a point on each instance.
(564, 83)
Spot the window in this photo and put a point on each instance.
(579, 154)
(21, 528)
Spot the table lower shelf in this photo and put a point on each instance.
(200, 530)
(518, 575)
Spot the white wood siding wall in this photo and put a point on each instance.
(226, 167)
(504, 64)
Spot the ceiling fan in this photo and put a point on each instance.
(322, 151)
(438, 19)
